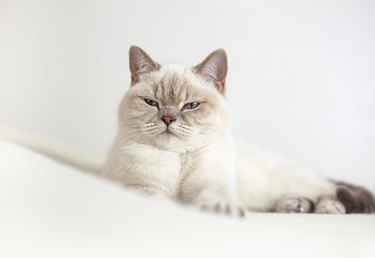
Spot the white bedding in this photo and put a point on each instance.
(50, 210)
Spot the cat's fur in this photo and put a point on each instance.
(166, 148)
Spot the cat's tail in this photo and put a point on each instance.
(62, 152)
(356, 199)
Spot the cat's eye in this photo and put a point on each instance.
(192, 105)
(151, 102)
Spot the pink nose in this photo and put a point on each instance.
(168, 119)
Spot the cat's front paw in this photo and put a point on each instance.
(294, 205)
(223, 207)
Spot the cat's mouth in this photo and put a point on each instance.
(169, 133)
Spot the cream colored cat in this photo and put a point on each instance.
(174, 142)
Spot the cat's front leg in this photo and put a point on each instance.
(208, 180)
(145, 169)
(210, 200)
(214, 193)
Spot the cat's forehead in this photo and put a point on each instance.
(172, 84)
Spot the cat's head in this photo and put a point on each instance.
(176, 108)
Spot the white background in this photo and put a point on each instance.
(301, 73)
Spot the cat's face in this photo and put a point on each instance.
(175, 108)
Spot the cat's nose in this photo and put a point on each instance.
(168, 119)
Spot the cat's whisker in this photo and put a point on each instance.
(187, 129)
(184, 131)
(130, 132)
(184, 125)
(151, 130)
(141, 129)
(133, 137)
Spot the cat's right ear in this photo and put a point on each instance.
(140, 63)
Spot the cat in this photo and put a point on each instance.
(174, 142)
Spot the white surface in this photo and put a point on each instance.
(301, 73)
(48, 210)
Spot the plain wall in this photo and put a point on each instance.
(301, 73)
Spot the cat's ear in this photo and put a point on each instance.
(140, 63)
(214, 68)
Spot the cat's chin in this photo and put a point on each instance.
(168, 134)
(168, 141)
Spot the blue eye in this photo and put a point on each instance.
(151, 102)
(192, 105)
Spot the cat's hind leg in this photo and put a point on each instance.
(349, 199)
(325, 205)
(330, 205)
(293, 204)
(356, 199)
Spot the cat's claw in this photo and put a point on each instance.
(224, 208)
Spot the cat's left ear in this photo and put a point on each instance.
(214, 68)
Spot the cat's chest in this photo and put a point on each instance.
(188, 164)
(165, 162)
(159, 169)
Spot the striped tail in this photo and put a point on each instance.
(356, 199)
